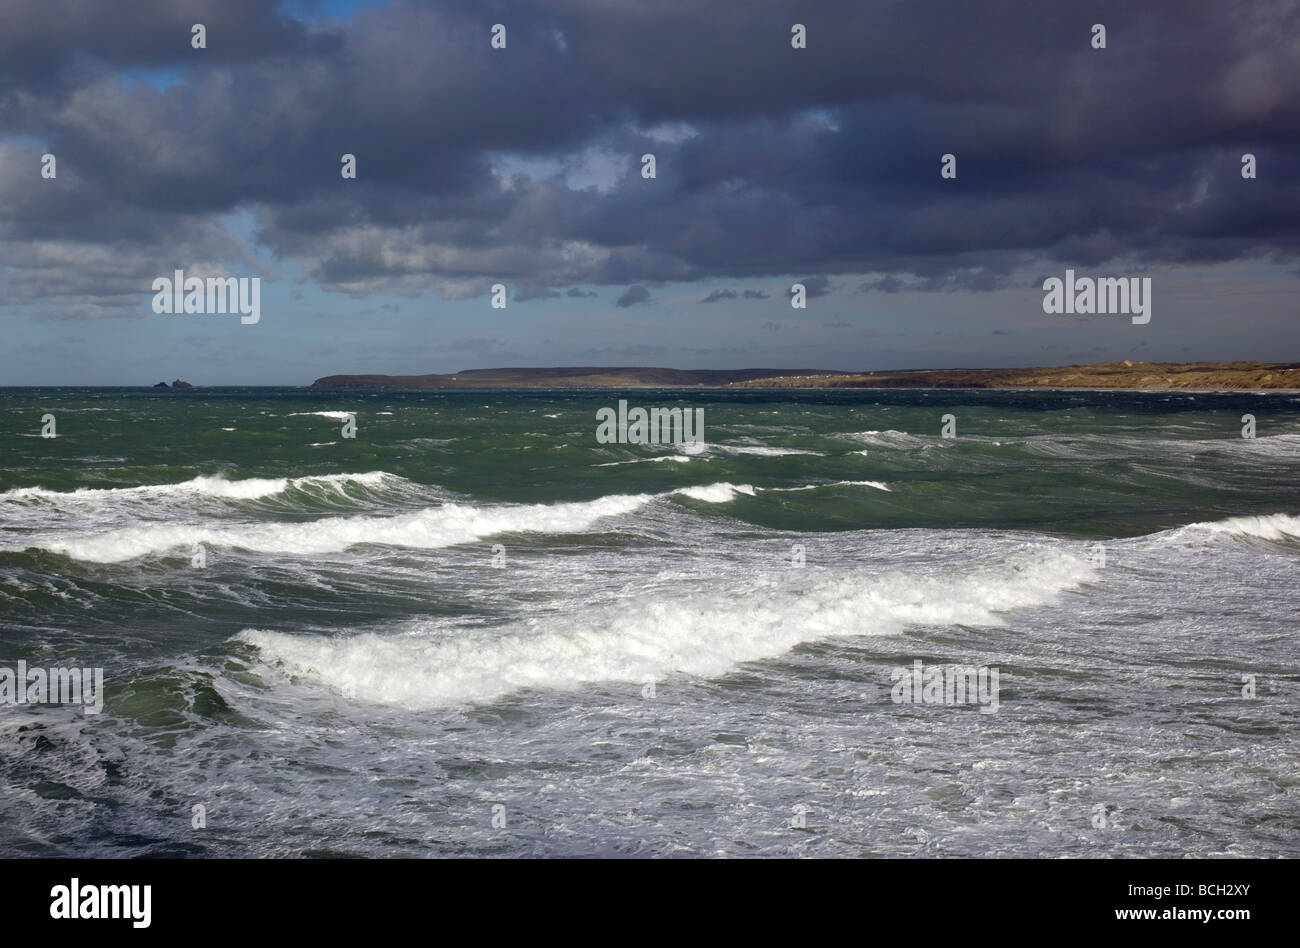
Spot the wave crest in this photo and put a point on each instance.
(698, 631)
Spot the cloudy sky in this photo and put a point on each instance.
(522, 166)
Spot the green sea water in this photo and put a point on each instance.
(1092, 463)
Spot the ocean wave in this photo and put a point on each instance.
(677, 458)
(716, 493)
(890, 438)
(1092, 447)
(761, 450)
(449, 524)
(430, 528)
(878, 485)
(1276, 527)
(251, 488)
(701, 631)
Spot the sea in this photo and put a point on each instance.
(467, 627)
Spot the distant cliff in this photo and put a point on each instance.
(1208, 376)
(603, 377)
(1204, 376)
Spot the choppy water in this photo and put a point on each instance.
(640, 668)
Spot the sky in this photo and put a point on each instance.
(522, 166)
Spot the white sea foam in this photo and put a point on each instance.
(900, 440)
(701, 630)
(339, 415)
(676, 458)
(878, 485)
(1094, 446)
(761, 450)
(429, 528)
(433, 527)
(1263, 527)
(245, 489)
(716, 493)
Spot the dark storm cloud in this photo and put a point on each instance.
(525, 293)
(718, 295)
(45, 40)
(886, 284)
(818, 161)
(814, 286)
(633, 296)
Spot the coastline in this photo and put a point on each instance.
(1205, 377)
